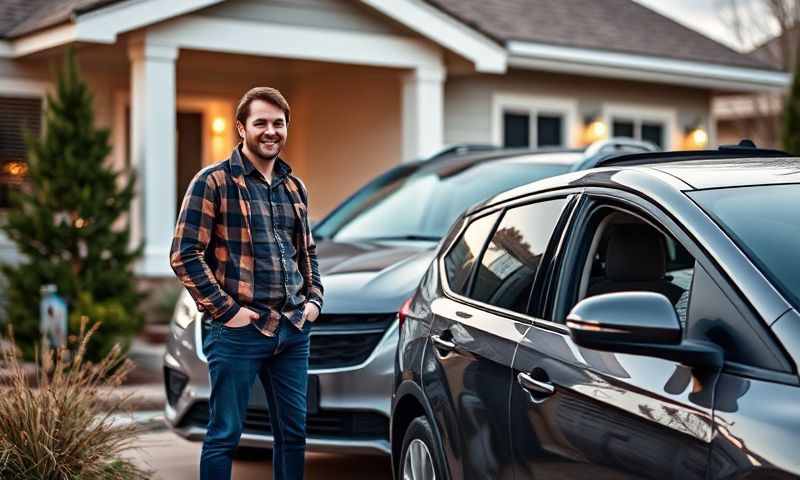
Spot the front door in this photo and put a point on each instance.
(189, 151)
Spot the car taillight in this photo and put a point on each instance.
(404, 310)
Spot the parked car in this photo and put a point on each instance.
(373, 249)
(638, 320)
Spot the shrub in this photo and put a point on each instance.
(62, 428)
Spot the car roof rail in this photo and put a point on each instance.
(602, 150)
(744, 149)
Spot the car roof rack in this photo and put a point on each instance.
(745, 149)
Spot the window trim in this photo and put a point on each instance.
(535, 105)
(643, 113)
(649, 212)
(567, 213)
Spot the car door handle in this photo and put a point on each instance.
(535, 386)
(442, 344)
(461, 314)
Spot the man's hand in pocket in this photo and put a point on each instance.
(242, 318)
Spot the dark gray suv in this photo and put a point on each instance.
(638, 320)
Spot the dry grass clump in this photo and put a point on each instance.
(62, 428)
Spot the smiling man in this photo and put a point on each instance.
(244, 251)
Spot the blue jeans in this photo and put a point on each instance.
(235, 357)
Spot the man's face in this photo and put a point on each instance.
(265, 131)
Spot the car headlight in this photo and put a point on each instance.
(184, 314)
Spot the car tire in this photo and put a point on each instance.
(420, 452)
(253, 454)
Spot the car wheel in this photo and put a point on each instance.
(420, 459)
(253, 454)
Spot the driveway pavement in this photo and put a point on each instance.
(173, 458)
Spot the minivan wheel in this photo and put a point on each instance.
(420, 459)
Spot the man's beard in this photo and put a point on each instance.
(254, 145)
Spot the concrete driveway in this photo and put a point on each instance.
(173, 458)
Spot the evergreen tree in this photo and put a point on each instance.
(69, 224)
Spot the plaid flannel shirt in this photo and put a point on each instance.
(212, 250)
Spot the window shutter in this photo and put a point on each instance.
(17, 115)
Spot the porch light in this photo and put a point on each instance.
(16, 169)
(594, 129)
(696, 138)
(218, 126)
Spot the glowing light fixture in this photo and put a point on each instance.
(218, 126)
(696, 138)
(594, 129)
(15, 168)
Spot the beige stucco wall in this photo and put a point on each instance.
(346, 129)
(470, 110)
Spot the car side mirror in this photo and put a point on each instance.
(638, 323)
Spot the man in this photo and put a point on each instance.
(244, 251)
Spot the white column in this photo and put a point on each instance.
(153, 152)
(423, 112)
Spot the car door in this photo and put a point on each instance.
(579, 413)
(489, 274)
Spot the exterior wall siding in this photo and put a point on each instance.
(469, 101)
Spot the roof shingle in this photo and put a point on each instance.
(616, 25)
(20, 17)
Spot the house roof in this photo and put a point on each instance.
(771, 51)
(609, 25)
(616, 25)
(21, 17)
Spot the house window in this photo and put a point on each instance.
(532, 129)
(516, 129)
(17, 115)
(653, 133)
(649, 131)
(549, 130)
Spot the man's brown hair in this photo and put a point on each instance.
(266, 94)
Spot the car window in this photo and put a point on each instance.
(460, 259)
(426, 202)
(764, 221)
(509, 264)
(625, 254)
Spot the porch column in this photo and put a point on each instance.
(423, 112)
(153, 152)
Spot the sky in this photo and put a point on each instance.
(710, 17)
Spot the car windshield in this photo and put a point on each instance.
(765, 222)
(421, 205)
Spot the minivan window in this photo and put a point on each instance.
(764, 221)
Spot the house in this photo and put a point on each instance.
(372, 82)
(758, 115)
